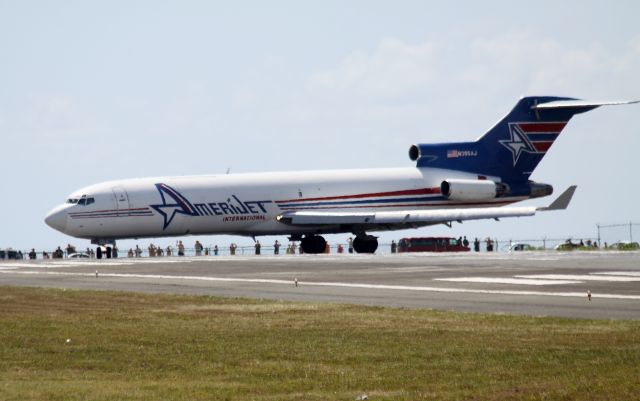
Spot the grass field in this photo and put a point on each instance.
(162, 347)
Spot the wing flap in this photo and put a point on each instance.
(417, 217)
(408, 217)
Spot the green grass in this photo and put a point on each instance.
(161, 347)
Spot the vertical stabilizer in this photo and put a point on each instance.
(514, 146)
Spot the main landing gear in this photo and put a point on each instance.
(315, 244)
(366, 244)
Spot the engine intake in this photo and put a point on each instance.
(472, 190)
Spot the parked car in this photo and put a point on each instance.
(566, 246)
(625, 245)
(431, 244)
(520, 246)
(79, 255)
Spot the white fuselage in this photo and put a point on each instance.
(246, 204)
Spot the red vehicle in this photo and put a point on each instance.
(431, 244)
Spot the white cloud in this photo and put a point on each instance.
(394, 68)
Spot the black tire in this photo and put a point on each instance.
(99, 253)
(365, 245)
(313, 244)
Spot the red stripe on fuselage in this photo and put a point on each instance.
(110, 211)
(294, 208)
(421, 191)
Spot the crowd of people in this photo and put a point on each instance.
(292, 248)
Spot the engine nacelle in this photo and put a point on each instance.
(471, 190)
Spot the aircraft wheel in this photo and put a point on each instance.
(99, 252)
(368, 245)
(108, 252)
(313, 244)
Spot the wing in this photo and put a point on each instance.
(414, 218)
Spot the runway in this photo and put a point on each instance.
(525, 283)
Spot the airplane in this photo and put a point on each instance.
(450, 182)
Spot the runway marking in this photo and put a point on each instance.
(499, 280)
(633, 274)
(580, 277)
(330, 284)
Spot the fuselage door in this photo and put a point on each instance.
(121, 198)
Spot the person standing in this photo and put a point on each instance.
(215, 250)
(198, 247)
(394, 246)
(258, 246)
(476, 245)
(180, 248)
(276, 248)
(350, 243)
(232, 249)
(465, 242)
(489, 242)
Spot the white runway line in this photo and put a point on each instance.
(331, 284)
(500, 280)
(580, 277)
(632, 274)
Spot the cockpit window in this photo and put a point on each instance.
(82, 201)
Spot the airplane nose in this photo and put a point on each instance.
(57, 219)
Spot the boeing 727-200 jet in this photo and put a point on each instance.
(450, 182)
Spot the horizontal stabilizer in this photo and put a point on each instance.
(579, 104)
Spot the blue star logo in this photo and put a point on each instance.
(177, 204)
(518, 143)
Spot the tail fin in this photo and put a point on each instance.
(515, 145)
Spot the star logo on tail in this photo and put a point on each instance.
(518, 143)
(172, 203)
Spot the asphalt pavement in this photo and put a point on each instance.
(525, 283)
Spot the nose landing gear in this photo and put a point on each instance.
(105, 249)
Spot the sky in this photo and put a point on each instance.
(94, 91)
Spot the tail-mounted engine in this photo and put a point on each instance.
(479, 190)
(472, 190)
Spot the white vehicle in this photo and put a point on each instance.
(79, 255)
(520, 246)
(450, 182)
